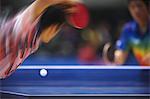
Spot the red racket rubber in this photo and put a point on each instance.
(80, 18)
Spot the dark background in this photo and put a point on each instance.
(107, 18)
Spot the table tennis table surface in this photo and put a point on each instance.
(78, 80)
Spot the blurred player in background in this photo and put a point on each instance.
(135, 37)
(21, 36)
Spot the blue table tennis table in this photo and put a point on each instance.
(82, 80)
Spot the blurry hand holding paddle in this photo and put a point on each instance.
(36, 24)
(78, 16)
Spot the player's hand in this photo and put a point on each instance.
(146, 59)
(39, 6)
(67, 5)
(113, 56)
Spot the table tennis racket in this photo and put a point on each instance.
(80, 18)
(108, 52)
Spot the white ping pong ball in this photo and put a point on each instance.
(43, 72)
